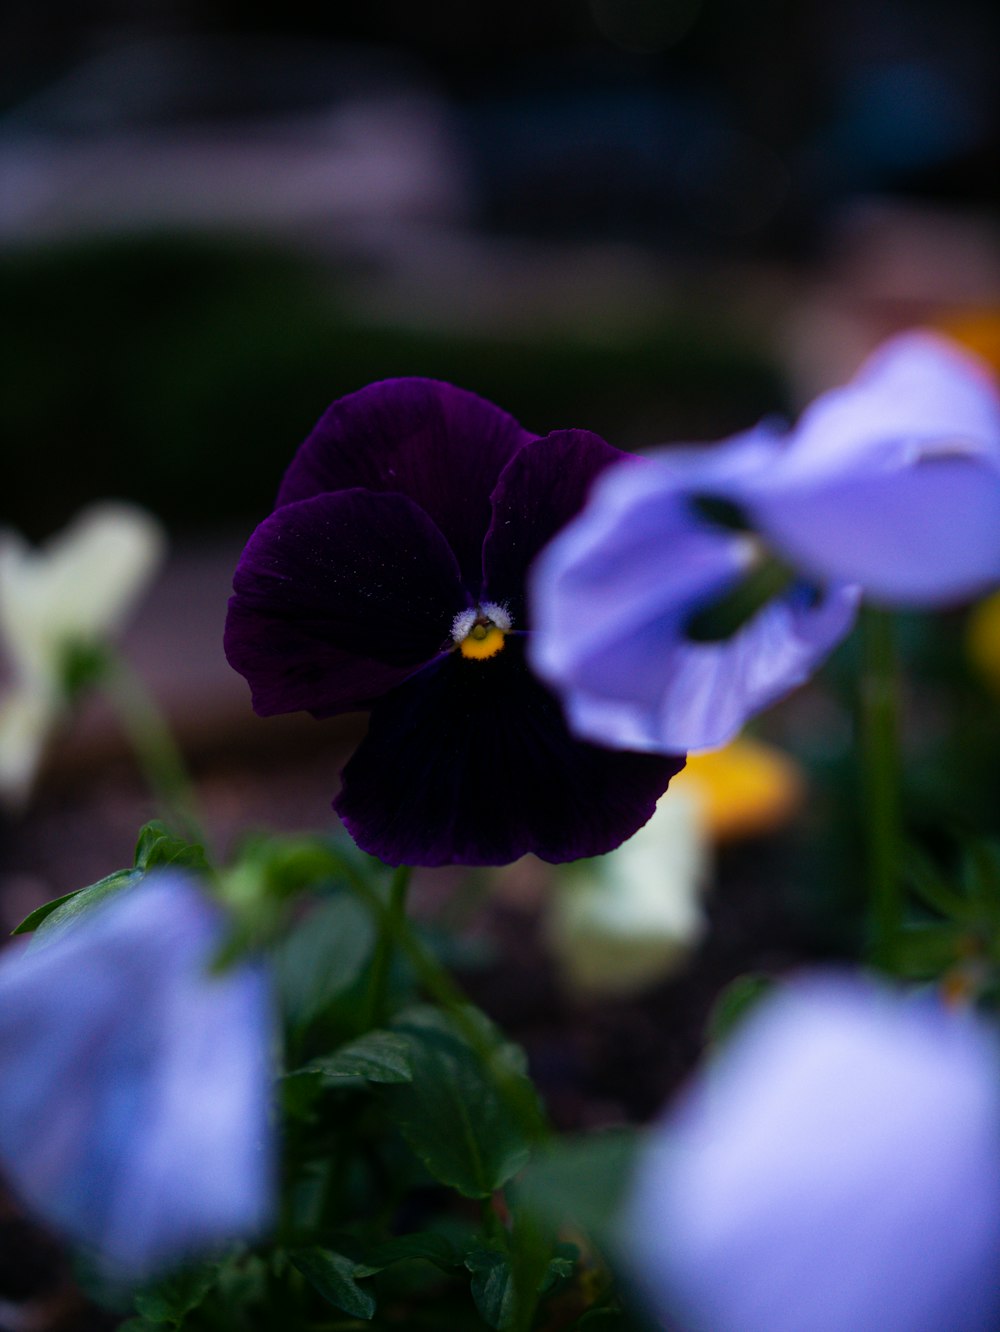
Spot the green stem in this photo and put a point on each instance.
(154, 747)
(529, 1253)
(437, 982)
(723, 617)
(378, 990)
(879, 728)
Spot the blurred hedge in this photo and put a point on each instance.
(182, 372)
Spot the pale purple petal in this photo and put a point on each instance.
(134, 1085)
(893, 482)
(838, 1167)
(612, 595)
(916, 390)
(656, 690)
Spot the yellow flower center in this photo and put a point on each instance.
(479, 634)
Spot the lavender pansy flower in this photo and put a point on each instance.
(613, 596)
(135, 1085)
(391, 577)
(893, 481)
(890, 487)
(837, 1167)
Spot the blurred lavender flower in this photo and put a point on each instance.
(66, 597)
(890, 486)
(613, 596)
(135, 1085)
(893, 482)
(837, 1167)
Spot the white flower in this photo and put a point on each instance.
(622, 921)
(71, 593)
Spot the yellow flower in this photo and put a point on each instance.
(979, 330)
(983, 639)
(745, 788)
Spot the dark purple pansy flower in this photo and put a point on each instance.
(391, 577)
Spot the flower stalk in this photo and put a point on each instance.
(879, 741)
(389, 926)
(153, 745)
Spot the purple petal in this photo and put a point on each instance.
(135, 1086)
(440, 445)
(922, 534)
(893, 482)
(339, 598)
(916, 390)
(611, 599)
(539, 491)
(470, 762)
(837, 1167)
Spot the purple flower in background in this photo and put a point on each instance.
(889, 487)
(134, 1085)
(615, 592)
(893, 482)
(391, 577)
(837, 1167)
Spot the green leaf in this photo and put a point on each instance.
(300, 1096)
(924, 952)
(562, 1266)
(579, 1182)
(172, 1300)
(736, 1002)
(605, 1320)
(378, 1056)
(429, 1245)
(332, 1274)
(83, 664)
(158, 848)
(64, 912)
(452, 1113)
(981, 872)
(322, 956)
(492, 1286)
(34, 918)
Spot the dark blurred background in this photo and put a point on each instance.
(657, 218)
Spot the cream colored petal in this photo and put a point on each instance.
(26, 718)
(78, 586)
(623, 921)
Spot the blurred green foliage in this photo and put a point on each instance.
(182, 372)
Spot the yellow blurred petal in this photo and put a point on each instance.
(979, 330)
(983, 639)
(745, 788)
